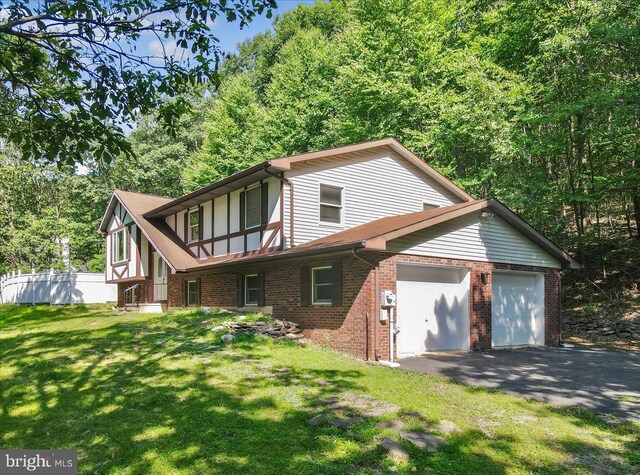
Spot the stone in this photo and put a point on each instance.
(414, 414)
(390, 425)
(422, 440)
(448, 427)
(380, 410)
(206, 310)
(394, 450)
(228, 338)
(294, 336)
(344, 422)
(206, 361)
(241, 318)
(316, 420)
(218, 329)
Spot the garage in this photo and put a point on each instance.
(433, 309)
(517, 309)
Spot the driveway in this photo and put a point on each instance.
(604, 381)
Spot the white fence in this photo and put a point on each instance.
(56, 289)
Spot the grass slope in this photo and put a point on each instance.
(160, 394)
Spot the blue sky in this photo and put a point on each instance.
(230, 34)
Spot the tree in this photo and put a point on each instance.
(72, 75)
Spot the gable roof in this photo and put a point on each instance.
(277, 165)
(163, 238)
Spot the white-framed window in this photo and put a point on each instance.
(120, 246)
(194, 225)
(321, 285)
(331, 204)
(427, 206)
(193, 293)
(251, 289)
(252, 207)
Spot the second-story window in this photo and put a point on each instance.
(194, 225)
(252, 215)
(120, 246)
(330, 204)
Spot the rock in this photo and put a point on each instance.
(394, 450)
(294, 336)
(241, 318)
(448, 427)
(218, 329)
(228, 338)
(206, 310)
(206, 361)
(422, 440)
(380, 410)
(315, 420)
(414, 414)
(344, 422)
(390, 425)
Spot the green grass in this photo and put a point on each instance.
(135, 394)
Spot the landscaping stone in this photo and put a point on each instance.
(414, 414)
(276, 329)
(448, 427)
(206, 310)
(344, 422)
(206, 361)
(218, 329)
(422, 440)
(390, 425)
(380, 410)
(228, 338)
(394, 450)
(316, 420)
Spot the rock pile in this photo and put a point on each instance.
(277, 329)
(601, 327)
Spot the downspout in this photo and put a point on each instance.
(375, 307)
(288, 182)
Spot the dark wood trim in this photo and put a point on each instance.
(138, 253)
(119, 228)
(126, 279)
(275, 232)
(274, 225)
(228, 222)
(213, 218)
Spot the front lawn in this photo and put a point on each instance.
(162, 394)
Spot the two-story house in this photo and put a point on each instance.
(369, 249)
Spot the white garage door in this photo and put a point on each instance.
(517, 309)
(433, 309)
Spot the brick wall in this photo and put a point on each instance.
(352, 327)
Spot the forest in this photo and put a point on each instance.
(534, 102)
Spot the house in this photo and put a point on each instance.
(370, 250)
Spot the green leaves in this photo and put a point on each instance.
(71, 77)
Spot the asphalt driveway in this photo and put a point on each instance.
(604, 381)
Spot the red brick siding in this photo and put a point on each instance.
(351, 327)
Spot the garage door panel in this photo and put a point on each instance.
(433, 309)
(517, 305)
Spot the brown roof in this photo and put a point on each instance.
(163, 238)
(373, 235)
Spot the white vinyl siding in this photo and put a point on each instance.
(375, 185)
(474, 238)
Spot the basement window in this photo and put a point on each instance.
(321, 285)
(251, 289)
(193, 293)
(330, 204)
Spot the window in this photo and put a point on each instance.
(120, 246)
(321, 284)
(251, 289)
(194, 225)
(193, 293)
(330, 204)
(160, 270)
(428, 206)
(252, 208)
